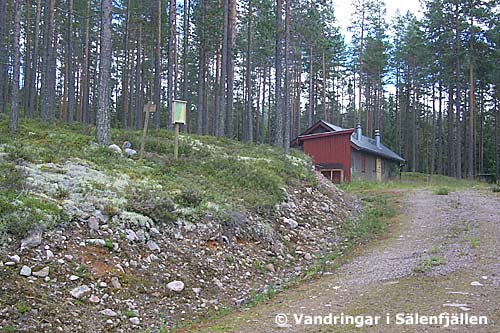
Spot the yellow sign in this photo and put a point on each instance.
(179, 112)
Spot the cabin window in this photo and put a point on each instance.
(363, 164)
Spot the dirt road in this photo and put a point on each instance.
(441, 255)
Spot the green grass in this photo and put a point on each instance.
(211, 174)
(412, 180)
(22, 308)
(8, 329)
(427, 264)
(442, 191)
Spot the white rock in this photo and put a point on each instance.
(49, 254)
(73, 277)
(42, 273)
(80, 291)
(476, 283)
(176, 286)
(115, 283)
(292, 223)
(25, 271)
(94, 299)
(135, 320)
(197, 291)
(99, 241)
(115, 148)
(10, 263)
(131, 235)
(108, 312)
(32, 241)
(15, 258)
(153, 246)
(129, 152)
(270, 268)
(93, 223)
(68, 257)
(307, 256)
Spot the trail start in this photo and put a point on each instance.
(437, 270)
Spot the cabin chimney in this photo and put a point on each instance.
(358, 131)
(377, 138)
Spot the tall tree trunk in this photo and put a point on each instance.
(440, 132)
(471, 101)
(201, 77)
(126, 68)
(103, 125)
(185, 45)
(248, 131)
(481, 131)
(286, 143)
(4, 68)
(231, 27)
(263, 105)
(34, 64)
(325, 116)
(278, 134)
(414, 108)
(451, 151)
(71, 74)
(14, 91)
(221, 107)
(138, 80)
(360, 85)
(27, 61)
(311, 89)
(433, 135)
(171, 60)
(46, 104)
(457, 97)
(157, 95)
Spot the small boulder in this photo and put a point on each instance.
(93, 223)
(291, 222)
(135, 321)
(153, 246)
(94, 299)
(115, 283)
(15, 258)
(80, 291)
(108, 312)
(25, 271)
(32, 241)
(270, 268)
(176, 286)
(115, 148)
(44, 272)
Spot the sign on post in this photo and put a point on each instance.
(179, 112)
(148, 108)
(178, 117)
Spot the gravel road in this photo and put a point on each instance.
(439, 256)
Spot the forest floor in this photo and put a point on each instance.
(440, 254)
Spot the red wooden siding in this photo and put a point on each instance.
(330, 149)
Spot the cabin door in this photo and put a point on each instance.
(378, 168)
(336, 176)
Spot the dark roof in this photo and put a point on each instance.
(365, 143)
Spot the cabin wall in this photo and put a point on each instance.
(363, 167)
(331, 152)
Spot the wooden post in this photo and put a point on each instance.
(148, 108)
(176, 142)
(178, 117)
